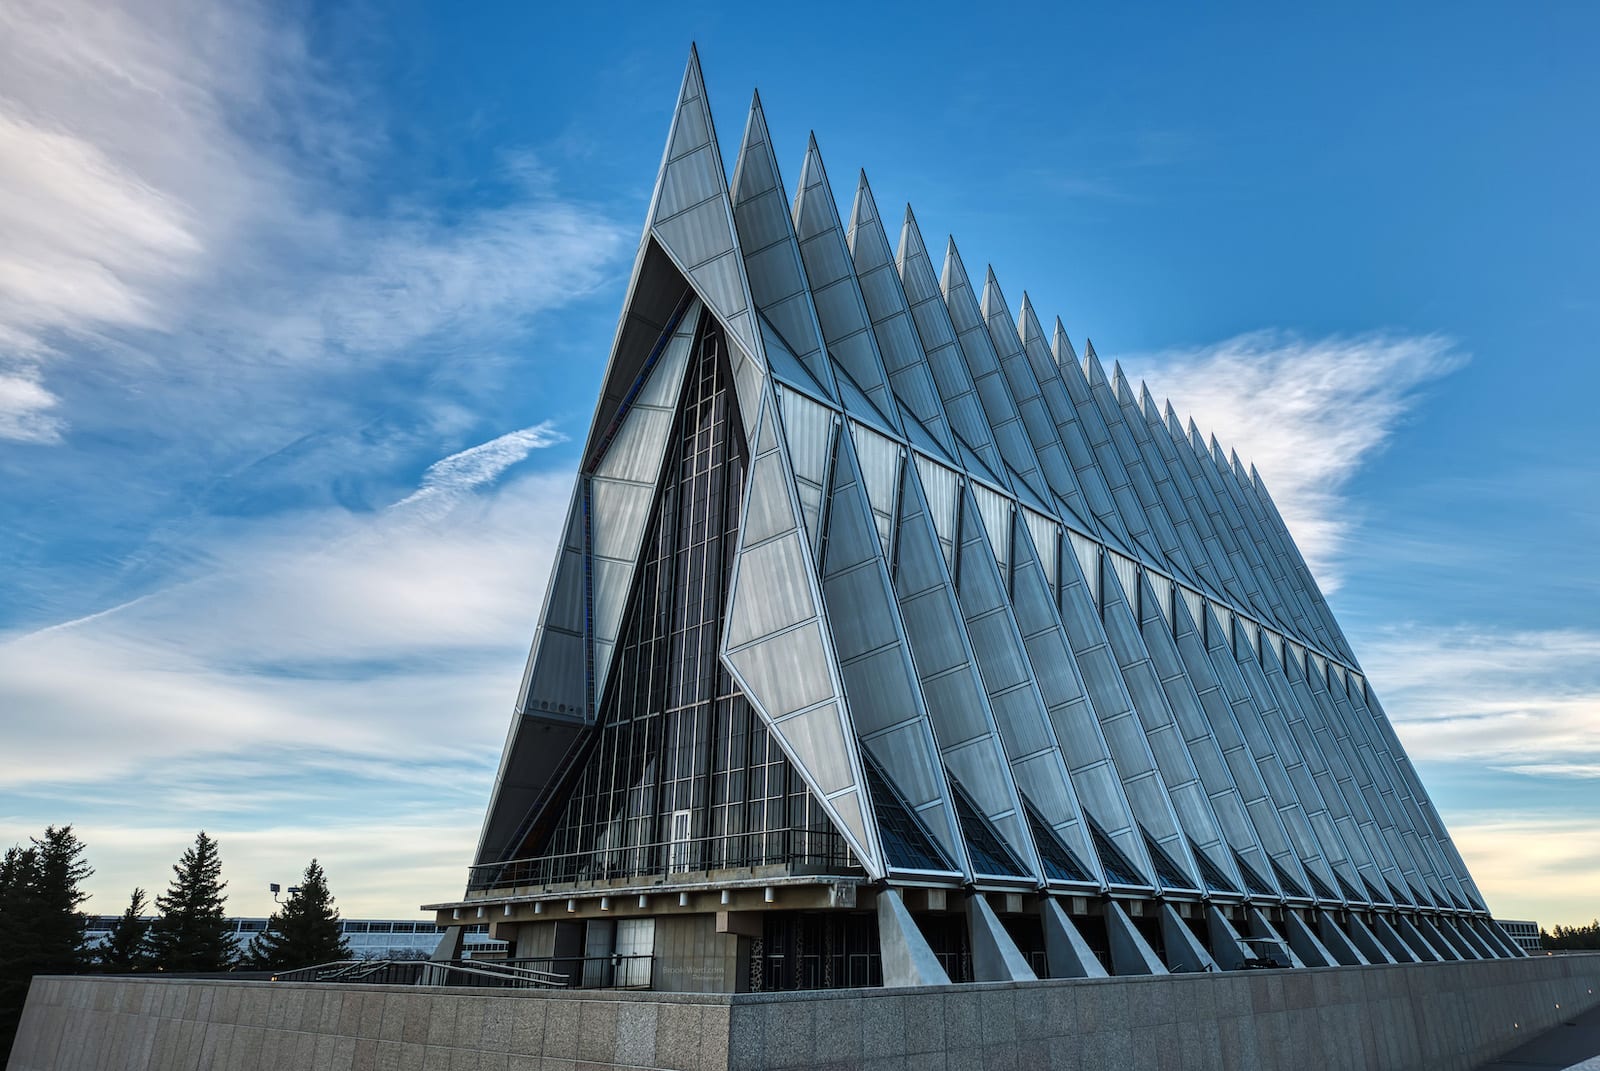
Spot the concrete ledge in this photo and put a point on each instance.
(1455, 1015)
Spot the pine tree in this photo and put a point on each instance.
(127, 946)
(41, 929)
(62, 930)
(192, 934)
(305, 931)
(17, 869)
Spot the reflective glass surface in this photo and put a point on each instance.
(1168, 872)
(906, 841)
(1118, 870)
(989, 853)
(1059, 862)
(681, 775)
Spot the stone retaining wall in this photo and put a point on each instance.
(1426, 1016)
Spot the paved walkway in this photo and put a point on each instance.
(1572, 1046)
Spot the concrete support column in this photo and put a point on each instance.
(1069, 954)
(1463, 929)
(1226, 947)
(1130, 952)
(1335, 941)
(1494, 932)
(1306, 945)
(449, 946)
(1402, 952)
(1447, 936)
(995, 956)
(1260, 927)
(1419, 944)
(907, 959)
(1185, 953)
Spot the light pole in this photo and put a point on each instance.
(294, 890)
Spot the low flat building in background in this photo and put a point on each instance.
(892, 641)
(368, 938)
(1525, 934)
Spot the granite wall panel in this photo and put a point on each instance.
(1426, 1016)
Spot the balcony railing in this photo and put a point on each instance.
(800, 850)
(549, 972)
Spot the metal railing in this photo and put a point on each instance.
(780, 847)
(548, 972)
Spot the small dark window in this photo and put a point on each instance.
(1255, 885)
(1059, 862)
(906, 841)
(1117, 869)
(1293, 888)
(1168, 872)
(989, 853)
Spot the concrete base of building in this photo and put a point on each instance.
(1427, 1015)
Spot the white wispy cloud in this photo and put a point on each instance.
(357, 632)
(206, 262)
(1309, 413)
(461, 473)
(176, 199)
(1525, 701)
(25, 406)
(306, 664)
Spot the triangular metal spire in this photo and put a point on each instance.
(1061, 345)
(950, 372)
(983, 363)
(771, 253)
(846, 327)
(1028, 393)
(898, 345)
(692, 217)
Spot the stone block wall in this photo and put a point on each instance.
(155, 1024)
(1432, 1016)
(1426, 1016)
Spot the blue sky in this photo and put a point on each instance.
(303, 309)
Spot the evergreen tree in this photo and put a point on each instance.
(61, 929)
(192, 933)
(305, 931)
(127, 946)
(41, 929)
(1573, 938)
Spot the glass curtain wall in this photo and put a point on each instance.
(681, 776)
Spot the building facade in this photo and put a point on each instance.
(891, 641)
(1525, 933)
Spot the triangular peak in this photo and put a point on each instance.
(953, 275)
(1174, 424)
(1218, 456)
(993, 299)
(1029, 329)
(1004, 329)
(911, 246)
(691, 216)
(770, 251)
(841, 308)
(1238, 468)
(1147, 404)
(889, 308)
(1092, 369)
(1061, 346)
(864, 215)
(1119, 383)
